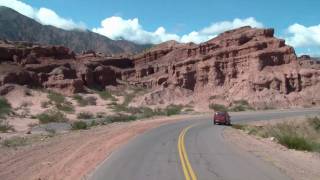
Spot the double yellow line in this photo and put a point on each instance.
(186, 166)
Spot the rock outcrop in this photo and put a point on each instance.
(242, 64)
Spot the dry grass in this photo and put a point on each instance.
(303, 135)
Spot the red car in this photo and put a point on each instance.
(221, 118)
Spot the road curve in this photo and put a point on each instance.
(154, 155)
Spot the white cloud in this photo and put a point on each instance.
(302, 36)
(219, 27)
(130, 29)
(43, 15)
(117, 28)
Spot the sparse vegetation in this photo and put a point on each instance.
(51, 116)
(106, 95)
(85, 115)
(241, 105)
(314, 122)
(60, 102)
(5, 107)
(79, 125)
(5, 127)
(120, 118)
(56, 98)
(91, 100)
(294, 135)
(173, 109)
(15, 141)
(218, 107)
(85, 101)
(66, 107)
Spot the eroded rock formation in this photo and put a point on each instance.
(245, 63)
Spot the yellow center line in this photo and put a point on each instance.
(186, 166)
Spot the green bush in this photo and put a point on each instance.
(51, 116)
(294, 142)
(120, 118)
(66, 107)
(294, 136)
(15, 141)
(85, 115)
(5, 107)
(60, 102)
(79, 125)
(56, 98)
(239, 126)
(218, 107)
(173, 109)
(80, 100)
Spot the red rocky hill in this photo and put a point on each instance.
(242, 64)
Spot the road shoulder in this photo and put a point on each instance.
(295, 164)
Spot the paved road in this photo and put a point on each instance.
(154, 155)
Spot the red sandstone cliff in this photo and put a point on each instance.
(245, 63)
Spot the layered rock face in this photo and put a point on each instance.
(242, 64)
(56, 67)
(246, 63)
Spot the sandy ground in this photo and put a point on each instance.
(72, 155)
(298, 165)
(26, 106)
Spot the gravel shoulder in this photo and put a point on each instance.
(72, 155)
(296, 164)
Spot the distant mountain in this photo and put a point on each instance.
(17, 27)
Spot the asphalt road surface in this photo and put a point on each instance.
(191, 149)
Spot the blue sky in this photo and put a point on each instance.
(145, 21)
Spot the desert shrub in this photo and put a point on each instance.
(15, 141)
(66, 107)
(91, 100)
(293, 141)
(5, 127)
(56, 98)
(106, 95)
(218, 107)
(314, 122)
(5, 107)
(51, 116)
(79, 125)
(173, 109)
(291, 135)
(94, 123)
(85, 115)
(80, 100)
(120, 118)
(60, 102)
(239, 126)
